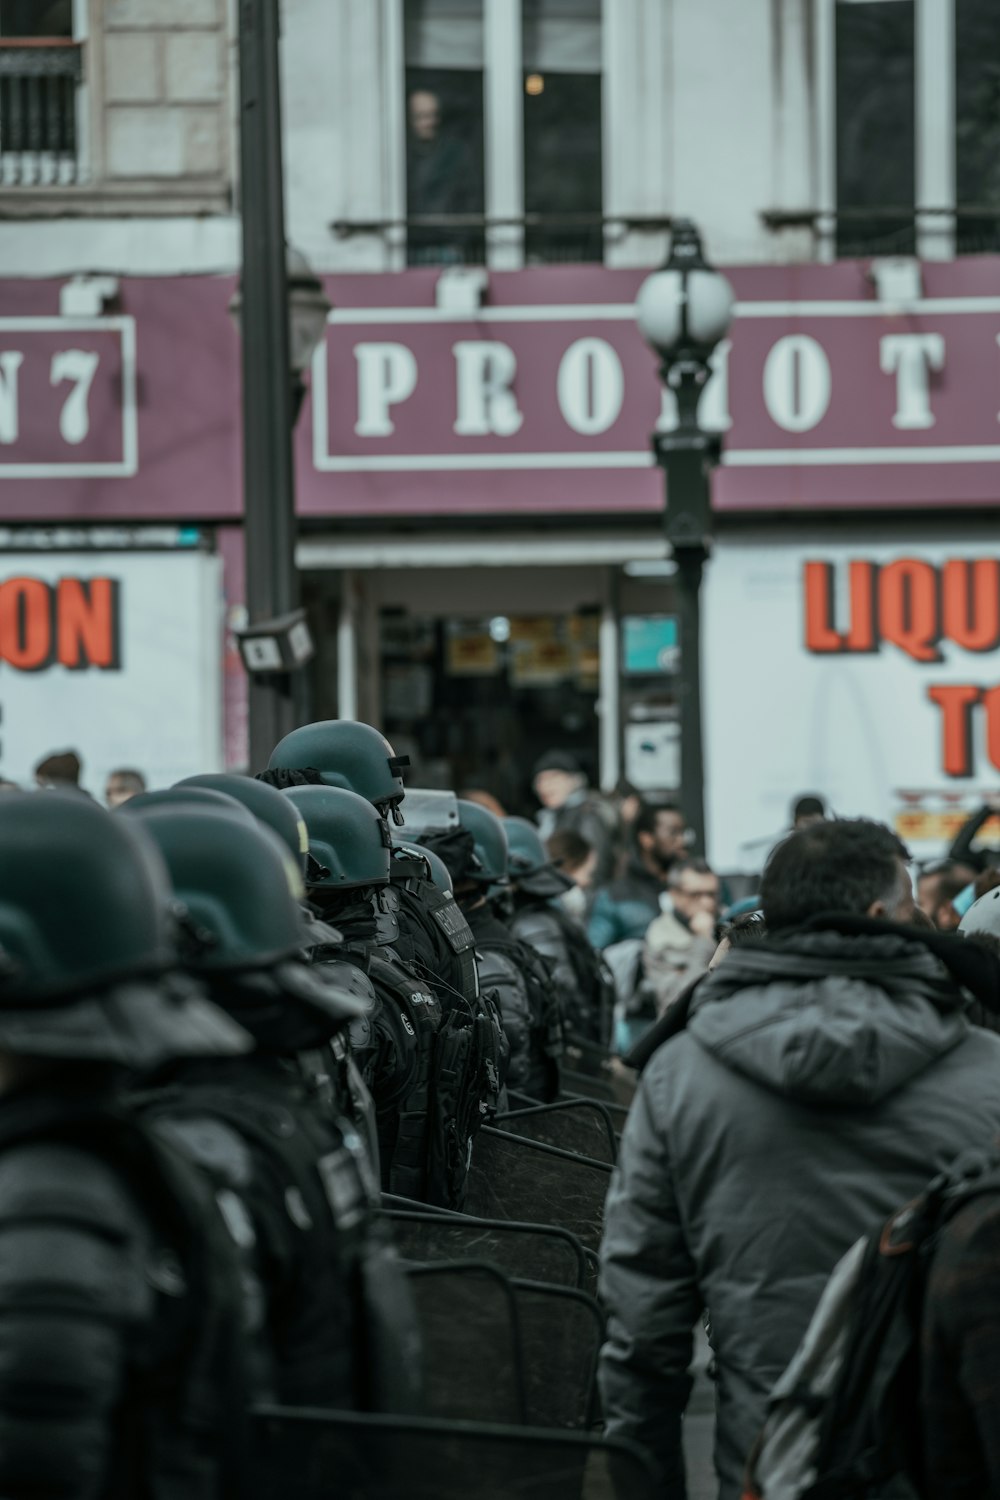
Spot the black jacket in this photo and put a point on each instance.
(120, 1337)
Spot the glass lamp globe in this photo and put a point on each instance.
(687, 306)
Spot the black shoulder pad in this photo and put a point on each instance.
(211, 1144)
(52, 1180)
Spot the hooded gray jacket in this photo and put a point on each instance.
(822, 1080)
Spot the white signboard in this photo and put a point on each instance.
(116, 655)
(866, 672)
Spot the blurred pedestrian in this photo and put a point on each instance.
(60, 769)
(962, 851)
(569, 805)
(574, 857)
(937, 886)
(806, 810)
(679, 943)
(624, 908)
(123, 784)
(821, 1076)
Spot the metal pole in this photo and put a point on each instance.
(272, 585)
(686, 454)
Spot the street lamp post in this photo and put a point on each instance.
(276, 290)
(683, 311)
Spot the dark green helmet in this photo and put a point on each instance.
(348, 838)
(266, 804)
(87, 941)
(346, 754)
(489, 842)
(190, 797)
(238, 885)
(437, 870)
(529, 864)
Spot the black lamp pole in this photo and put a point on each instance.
(687, 456)
(272, 583)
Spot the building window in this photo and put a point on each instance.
(444, 132)
(40, 72)
(875, 129)
(563, 197)
(977, 125)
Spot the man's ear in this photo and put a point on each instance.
(878, 909)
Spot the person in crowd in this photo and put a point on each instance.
(749, 927)
(575, 858)
(123, 784)
(962, 852)
(120, 1312)
(568, 803)
(822, 1075)
(584, 984)
(937, 886)
(806, 810)
(679, 943)
(485, 799)
(61, 770)
(624, 908)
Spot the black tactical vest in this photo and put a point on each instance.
(433, 933)
(182, 1425)
(310, 1201)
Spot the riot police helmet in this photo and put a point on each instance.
(436, 871)
(345, 754)
(265, 802)
(489, 841)
(177, 797)
(349, 844)
(88, 962)
(529, 865)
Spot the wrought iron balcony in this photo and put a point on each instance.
(39, 77)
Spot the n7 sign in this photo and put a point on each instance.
(67, 397)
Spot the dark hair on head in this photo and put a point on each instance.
(842, 865)
(568, 850)
(685, 866)
(645, 818)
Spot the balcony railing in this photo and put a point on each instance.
(39, 77)
(965, 229)
(461, 239)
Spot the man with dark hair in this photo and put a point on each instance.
(680, 943)
(624, 908)
(122, 784)
(937, 886)
(823, 1076)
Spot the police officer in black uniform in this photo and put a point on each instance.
(428, 1099)
(330, 1070)
(296, 1186)
(584, 983)
(432, 931)
(477, 858)
(120, 1320)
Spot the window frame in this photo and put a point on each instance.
(503, 129)
(933, 128)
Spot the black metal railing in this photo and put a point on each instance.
(39, 78)
(461, 239)
(975, 228)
